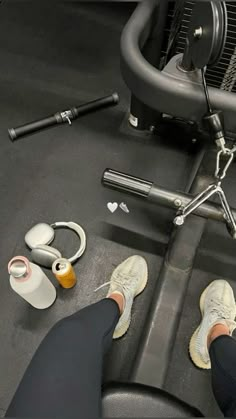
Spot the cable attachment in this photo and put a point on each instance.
(214, 123)
(210, 191)
(228, 156)
(214, 119)
(67, 116)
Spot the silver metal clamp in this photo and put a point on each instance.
(212, 189)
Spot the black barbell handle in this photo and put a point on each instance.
(63, 117)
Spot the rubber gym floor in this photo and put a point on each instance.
(54, 56)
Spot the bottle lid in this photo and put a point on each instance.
(18, 268)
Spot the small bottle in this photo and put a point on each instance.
(30, 282)
(64, 273)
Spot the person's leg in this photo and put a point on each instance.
(64, 377)
(212, 346)
(222, 351)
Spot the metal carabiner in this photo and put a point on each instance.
(230, 153)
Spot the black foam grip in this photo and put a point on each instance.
(26, 129)
(60, 118)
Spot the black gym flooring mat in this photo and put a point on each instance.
(53, 57)
(215, 260)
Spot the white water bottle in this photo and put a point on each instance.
(30, 282)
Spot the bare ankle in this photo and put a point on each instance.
(119, 299)
(216, 331)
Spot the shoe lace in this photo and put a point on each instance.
(219, 309)
(121, 281)
(102, 286)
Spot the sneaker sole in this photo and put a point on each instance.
(122, 331)
(192, 345)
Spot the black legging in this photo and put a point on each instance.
(64, 377)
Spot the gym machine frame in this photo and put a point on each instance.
(180, 93)
(160, 196)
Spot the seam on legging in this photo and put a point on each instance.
(112, 326)
(114, 323)
(117, 316)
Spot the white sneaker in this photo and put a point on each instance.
(129, 279)
(217, 305)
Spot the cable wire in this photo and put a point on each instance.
(203, 70)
